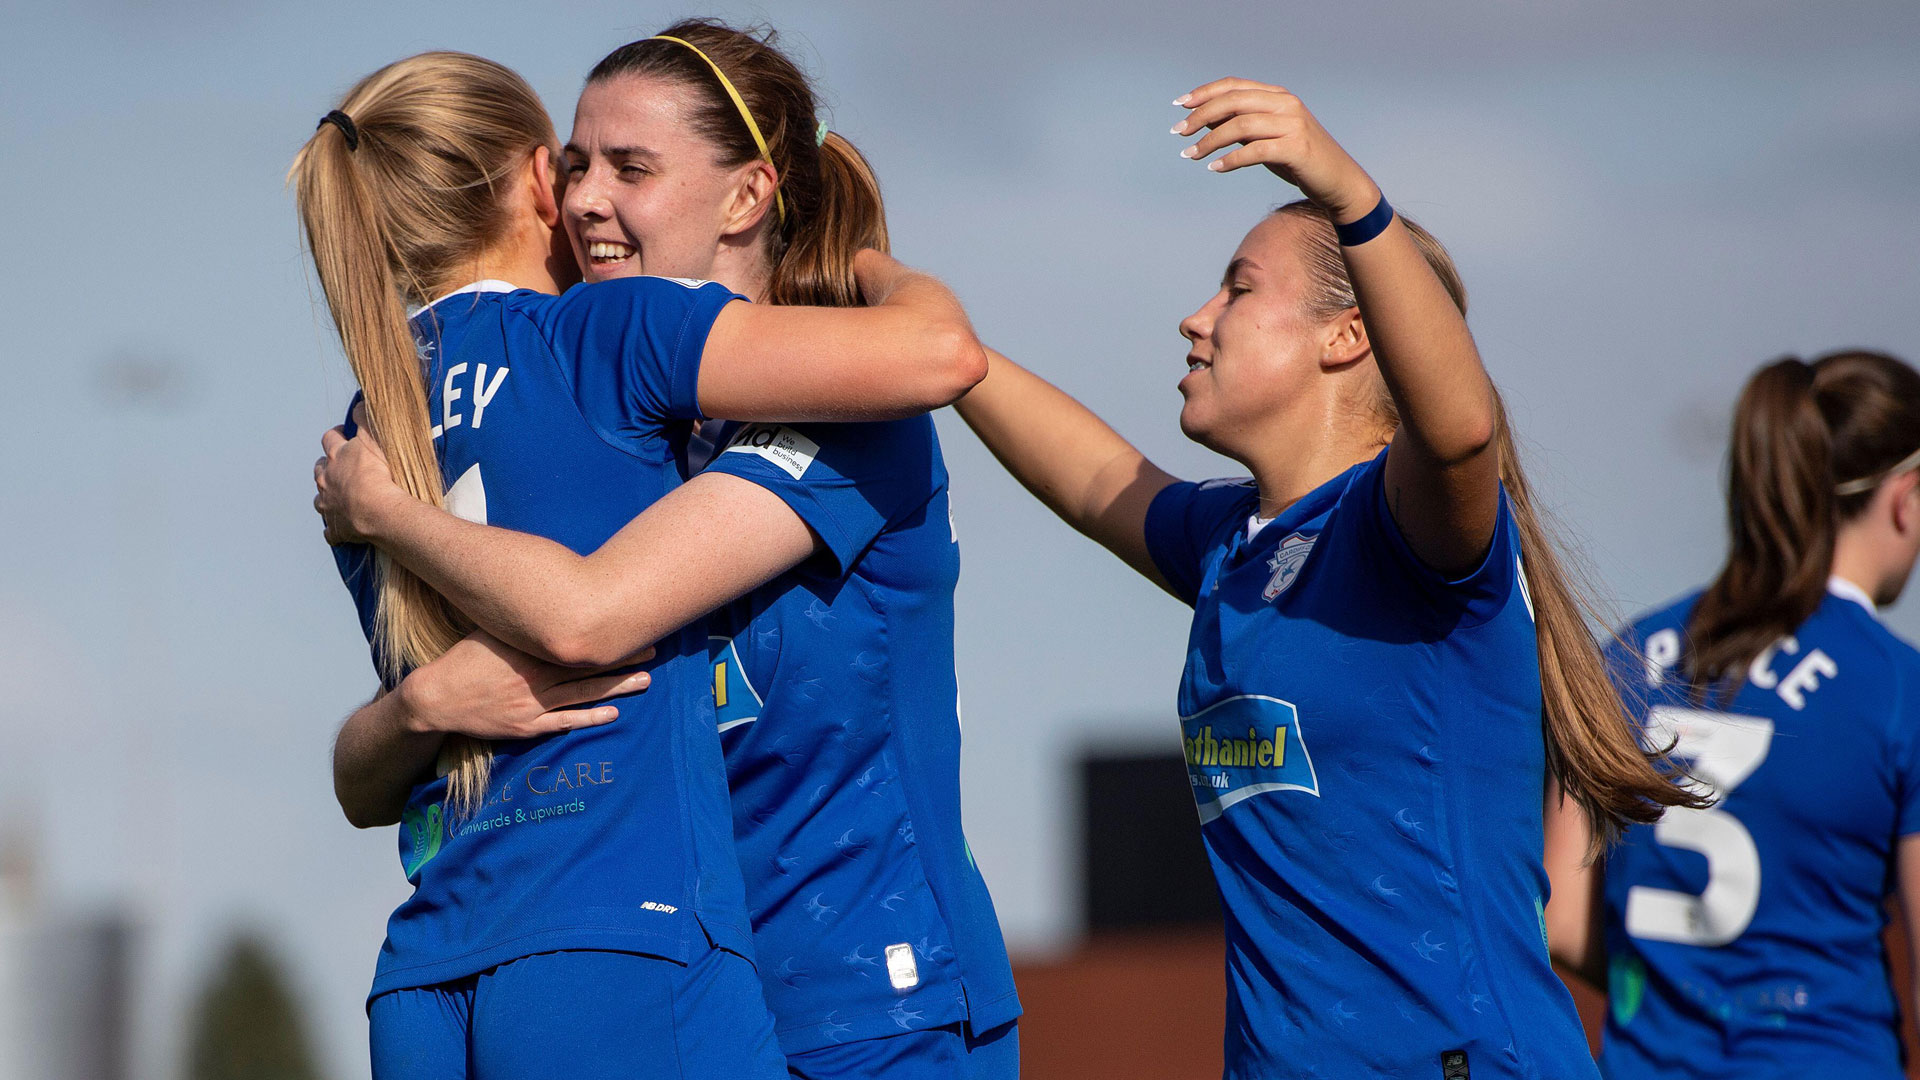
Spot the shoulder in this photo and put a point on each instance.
(672, 300)
(1206, 507)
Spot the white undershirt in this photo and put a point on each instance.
(1255, 523)
(483, 285)
(1847, 590)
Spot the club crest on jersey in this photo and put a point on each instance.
(1242, 747)
(1287, 560)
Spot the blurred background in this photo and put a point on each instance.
(1647, 198)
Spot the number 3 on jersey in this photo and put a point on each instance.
(1720, 750)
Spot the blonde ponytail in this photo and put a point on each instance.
(392, 218)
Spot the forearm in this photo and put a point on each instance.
(377, 758)
(909, 353)
(1075, 464)
(713, 539)
(1423, 348)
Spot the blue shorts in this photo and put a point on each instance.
(584, 1015)
(942, 1053)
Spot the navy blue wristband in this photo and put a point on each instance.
(1355, 233)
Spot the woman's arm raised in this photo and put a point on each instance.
(1068, 458)
(1443, 470)
(909, 351)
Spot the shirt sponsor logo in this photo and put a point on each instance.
(735, 701)
(1242, 747)
(1287, 560)
(785, 447)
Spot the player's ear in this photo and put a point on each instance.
(1344, 340)
(545, 178)
(752, 198)
(1905, 492)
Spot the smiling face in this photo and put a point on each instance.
(1256, 349)
(645, 194)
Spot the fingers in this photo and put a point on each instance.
(592, 688)
(1200, 95)
(359, 414)
(320, 474)
(1236, 103)
(565, 720)
(1245, 129)
(332, 440)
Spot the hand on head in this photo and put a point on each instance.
(1273, 128)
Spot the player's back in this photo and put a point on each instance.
(551, 416)
(1745, 939)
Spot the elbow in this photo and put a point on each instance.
(956, 362)
(580, 646)
(1467, 441)
(587, 640)
(365, 814)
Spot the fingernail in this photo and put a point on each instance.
(609, 714)
(635, 681)
(1190, 152)
(1183, 99)
(1216, 166)
(1178, 129)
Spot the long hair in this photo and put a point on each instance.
(1800, 431)
(392, 220)
(833, 206)
(1591, 746)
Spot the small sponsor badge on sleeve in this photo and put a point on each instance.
(785, 447)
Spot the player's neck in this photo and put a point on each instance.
(1284, 473)
(744, 270)
(1869, 560)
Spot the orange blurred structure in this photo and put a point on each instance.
(1152, 1005)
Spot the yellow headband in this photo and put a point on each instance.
(779, 204)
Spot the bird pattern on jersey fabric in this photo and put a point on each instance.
(1744, 939)
(836, 699)
(1363, 741)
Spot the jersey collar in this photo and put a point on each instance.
(1847, 590)
(484, 285)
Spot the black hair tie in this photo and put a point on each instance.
(345, 124)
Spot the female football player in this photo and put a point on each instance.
(878, 946)
(1385, 665)
(1744, 939)
(577, 903)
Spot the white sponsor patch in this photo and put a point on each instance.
(783, 446)
(901, 969)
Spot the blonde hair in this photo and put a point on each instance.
(393, 219)
(1591, 747)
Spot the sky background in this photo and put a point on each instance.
(1647, 199)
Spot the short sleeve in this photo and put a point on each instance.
(632, 347)
(1188, 521)
(848, 482)
(1906, 745)
(1472, 597)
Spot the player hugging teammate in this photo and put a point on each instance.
(1391, 703)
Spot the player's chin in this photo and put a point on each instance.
(1196, 417)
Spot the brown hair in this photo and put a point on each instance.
(1591, 747)
(394, 219)
(1799, 431)
(833, 206)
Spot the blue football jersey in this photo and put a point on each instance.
(551, 416)
(1745, 939)
(1363, 738)
(837, 702)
